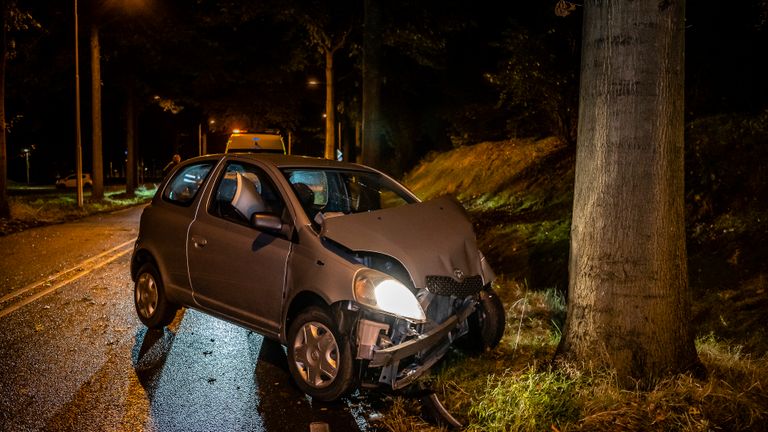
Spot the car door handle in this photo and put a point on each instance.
(199, 242)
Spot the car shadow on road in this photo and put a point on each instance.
(283, 406)
(150, 353)
(274, 402)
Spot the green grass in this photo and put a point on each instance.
(485, 176)
(519, 195)
(524, 401)
(36, 210)
(516, 386)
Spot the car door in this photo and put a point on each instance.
(236, 270)
(164, 224)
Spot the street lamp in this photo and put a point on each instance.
(25, 152)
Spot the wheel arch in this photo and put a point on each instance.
(139, 258)
(300, 302)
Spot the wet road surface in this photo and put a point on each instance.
(73, 355)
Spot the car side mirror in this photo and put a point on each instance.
(269, 223)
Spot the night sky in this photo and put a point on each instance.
(247, 65)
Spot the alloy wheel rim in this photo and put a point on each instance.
(146, 295)
(316, 354)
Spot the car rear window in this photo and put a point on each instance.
(186, 182)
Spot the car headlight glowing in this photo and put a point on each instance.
(381, 291)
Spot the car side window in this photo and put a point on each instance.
(186, 182)
(242, 190)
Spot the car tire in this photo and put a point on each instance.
(319, 357)
(487, 323)
(152, 305)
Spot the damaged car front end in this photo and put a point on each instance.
(422, 285)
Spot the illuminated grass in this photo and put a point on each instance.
(518, 389)
(522, 217)
(527, 401)
(62, 207)
(483, 176)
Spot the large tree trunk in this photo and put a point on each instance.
(372, 85)
(78, 123)
(330, 118)
(98, 165)
(130, 144)
(5, 211)
(628, 299)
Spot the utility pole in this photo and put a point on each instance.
(26, 157)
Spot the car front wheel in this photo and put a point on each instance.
(319, 358)
(153, 308)
(486, 324)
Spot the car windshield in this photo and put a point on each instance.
(327, 193)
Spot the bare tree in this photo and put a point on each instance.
(98, 158)
(372, 36)
(5, 211)
(328, 43)
(131, 178)
(328, 25)
(628, 298)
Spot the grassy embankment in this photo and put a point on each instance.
(33, 210)
(519, 194)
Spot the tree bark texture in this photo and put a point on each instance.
(628, 298)
(130, 144)
(372, 35)
(330, 109)
(98, 160)
(5, 210)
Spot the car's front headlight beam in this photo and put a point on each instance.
(382, 292)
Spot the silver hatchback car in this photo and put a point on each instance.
(364, 284)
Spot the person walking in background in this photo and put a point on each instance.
(174, 161)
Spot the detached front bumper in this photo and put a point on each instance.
(431, 346)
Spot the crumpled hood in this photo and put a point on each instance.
(428, 238)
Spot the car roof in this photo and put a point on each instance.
(291, 161)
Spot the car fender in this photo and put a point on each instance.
(316, 271)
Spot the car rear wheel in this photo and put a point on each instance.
(319, 358)
(153, 308)
(486, 324)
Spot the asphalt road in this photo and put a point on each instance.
(74, 357)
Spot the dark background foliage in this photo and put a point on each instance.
(454, 73)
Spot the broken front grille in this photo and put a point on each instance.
(448, 286)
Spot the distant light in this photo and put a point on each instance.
(156, 97)
(212, 122)
(235, 130)
(313, 82)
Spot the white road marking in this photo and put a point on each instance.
(70, 275)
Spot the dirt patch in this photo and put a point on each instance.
(10, 226)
